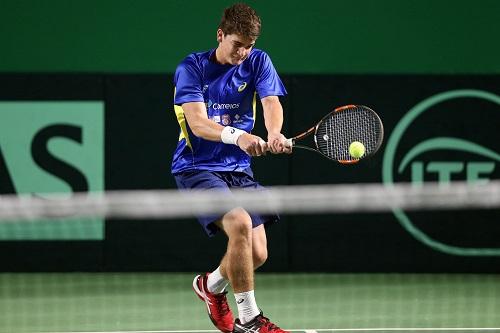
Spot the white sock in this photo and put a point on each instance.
(216, 283)
(247, 307)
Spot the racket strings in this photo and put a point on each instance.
(337, 131)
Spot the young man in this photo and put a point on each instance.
(215, 107)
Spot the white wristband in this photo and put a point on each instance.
(230, 135)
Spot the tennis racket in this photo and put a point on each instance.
(337, 130)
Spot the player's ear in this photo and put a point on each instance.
(220, 34)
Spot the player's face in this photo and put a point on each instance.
(233, 49)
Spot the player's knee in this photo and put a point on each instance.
(259, 257)
(238, 223)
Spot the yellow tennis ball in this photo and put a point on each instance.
(356, 149)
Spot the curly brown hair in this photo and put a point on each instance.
(240, 19)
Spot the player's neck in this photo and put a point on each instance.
(217, 57)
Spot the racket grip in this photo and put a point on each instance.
(263, 144)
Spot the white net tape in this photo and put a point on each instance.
(346, 198)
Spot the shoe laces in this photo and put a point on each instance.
(221, 301)
(270, 325)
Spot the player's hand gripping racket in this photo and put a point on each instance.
(334, 133)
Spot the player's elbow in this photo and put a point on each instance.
(270, 102)
(199, 130)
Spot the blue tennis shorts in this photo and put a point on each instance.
(222, 181)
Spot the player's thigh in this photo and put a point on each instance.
(201, 180)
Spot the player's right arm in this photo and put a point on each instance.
(197, 118)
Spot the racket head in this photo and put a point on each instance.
(337, 130)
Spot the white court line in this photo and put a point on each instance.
(407, 329)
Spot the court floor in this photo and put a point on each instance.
(308, 303)
(362, 330)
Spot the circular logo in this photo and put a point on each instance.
(442, 168)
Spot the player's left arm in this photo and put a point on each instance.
(273, 118)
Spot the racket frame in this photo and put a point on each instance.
(293, 141)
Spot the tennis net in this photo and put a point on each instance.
(286, 199)
(318, 288)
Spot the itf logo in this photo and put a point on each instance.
(446, 137)
(48, 147)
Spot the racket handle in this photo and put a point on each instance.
(263, 144)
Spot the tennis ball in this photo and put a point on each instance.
(356, 149)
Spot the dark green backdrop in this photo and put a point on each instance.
(141, 133)
(364, 36)
(387, 54)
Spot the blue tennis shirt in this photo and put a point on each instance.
(229, 93)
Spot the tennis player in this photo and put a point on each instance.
(215, 96)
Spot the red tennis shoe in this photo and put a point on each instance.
(259, 324)
(218, 309)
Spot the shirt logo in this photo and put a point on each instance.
(237, 119)
(225, 106)
(242, 87)
(226, 119)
